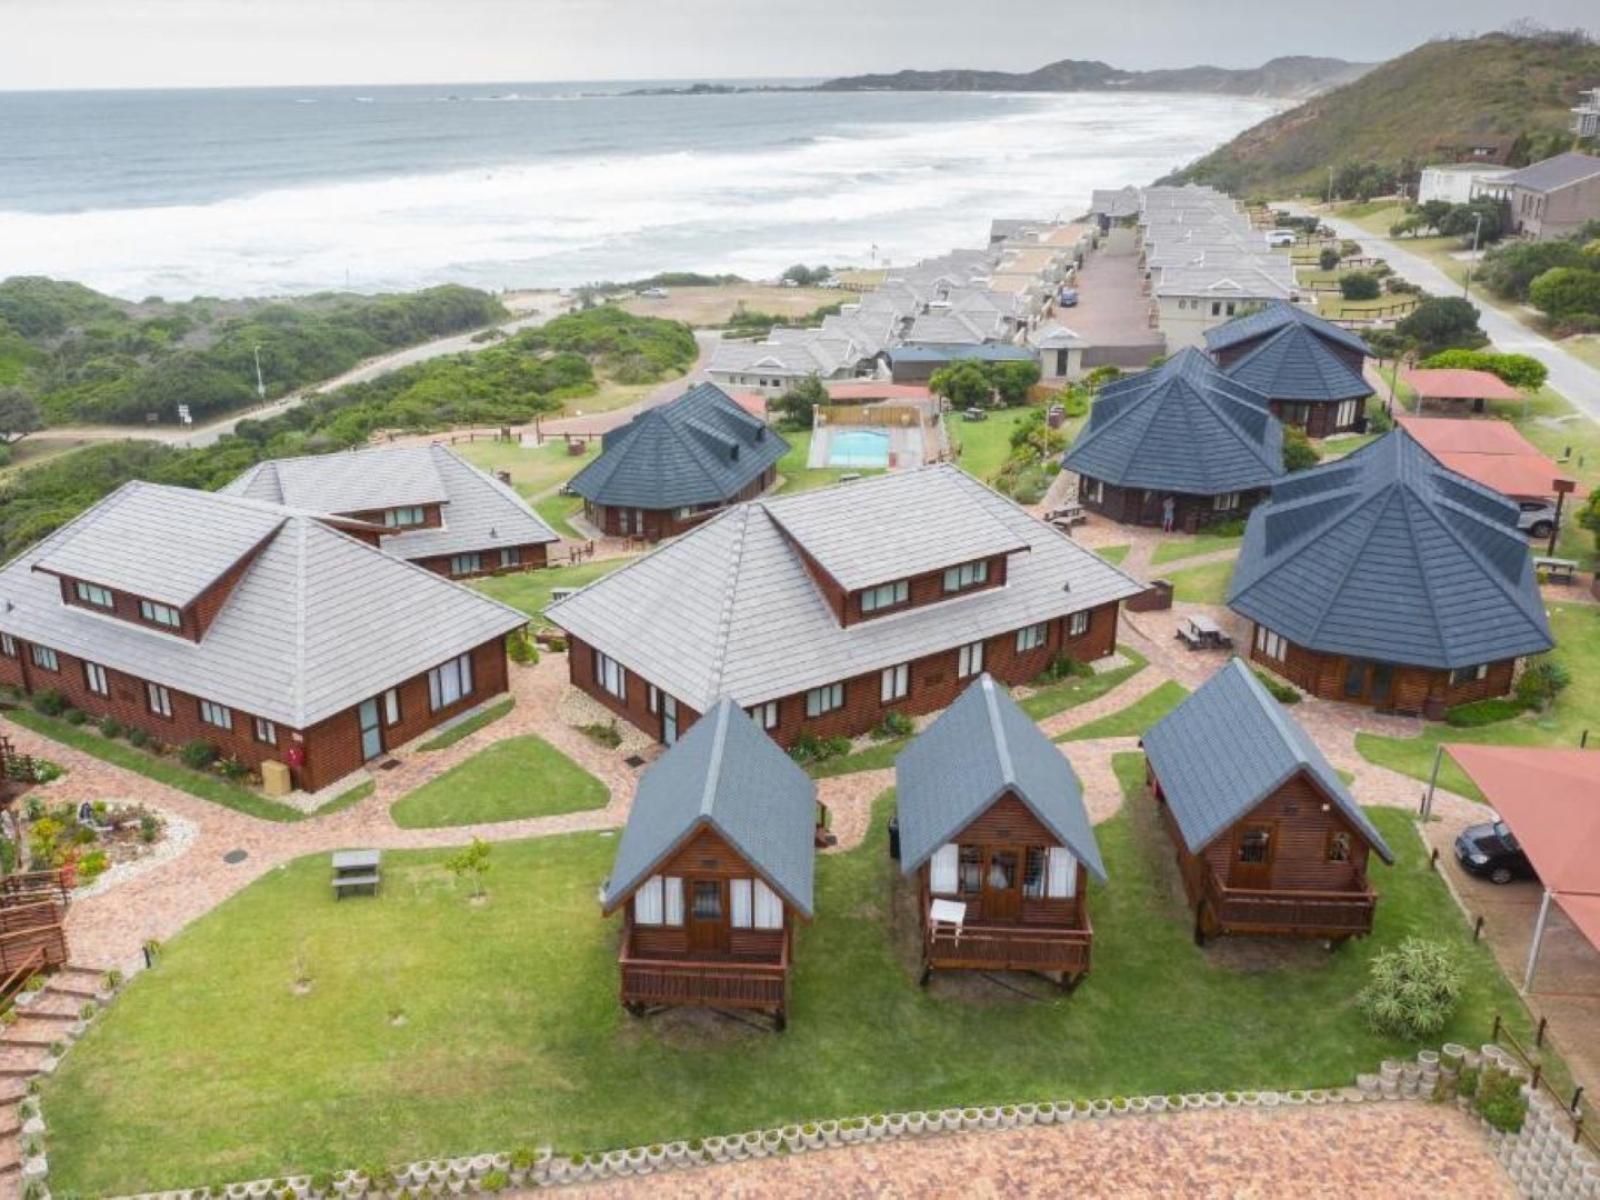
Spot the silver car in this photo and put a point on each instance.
(1536, 518)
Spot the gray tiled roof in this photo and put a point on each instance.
(1296, 364)
(1273, 318)
(725, 774)
(1388, 555)
(1255, 279)
(701, 448)
(729, 609)
(1550, 174)
(479, 512)
(318, 622)
(1227, 748)
(1116, 204)
(1183, 427)
(980, 748)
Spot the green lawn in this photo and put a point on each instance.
(556, 510)
(163, 770)
(515, 778)
(1576, 628)
(1052, 698)
(876, 757)
(348, 798)
(984, 445)
(1113, 554)
(1136, 718)
(470, 726)
(534, 470)
(1189, 547)
(530, 590)
(1206, 584)
(797, 477)
(210, 1067)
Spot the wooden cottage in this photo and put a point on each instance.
(1269, 840)
(1306, 381)
(1243, 336)
(992, 826)
(1386, 579)
(1184, 439)
(714, 868)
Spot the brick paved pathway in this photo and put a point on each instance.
(1411, 1150)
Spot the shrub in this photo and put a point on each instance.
(1500, 1100)
(1061, 667)
(521, 648)
(232, 769)
(138, 737)
(522, 1158)
(1412, 989)
(556, 645)
(49, 702)
(605, 733)
(110, 727)
(1233, 528)
(74, 716)
(1541, 681)
(1328, 260)
(1360, 285)
(893, 725)
(92, 865)
(198, 754)
(1380, 419)
(1281, 692)
(1298, 452)
(1482, 712)
(149, 826)
(1397, 286)
(494, 1181)
(809, 748)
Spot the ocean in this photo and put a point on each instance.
(292, 190)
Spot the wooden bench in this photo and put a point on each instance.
(1557, 570)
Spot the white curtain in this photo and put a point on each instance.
(647, 906)
(942, 869)
(672, 889)
(739, 896)
(769, 908)
(1062, 879)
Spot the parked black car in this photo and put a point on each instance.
(1491, 852)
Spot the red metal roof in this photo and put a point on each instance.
(1551, 800)
(1489, 451)
(1457, 384)
(867, 390)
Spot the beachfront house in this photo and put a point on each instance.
(992, 826)
(713, 872)
(1306, 382)
(1268, 838)
(1551, 199)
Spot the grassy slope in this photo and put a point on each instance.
(984, 444)
(1136, 718)
(1405, 108)
(530, 590)
(211, 1068)
(515, 778)
(534, 469)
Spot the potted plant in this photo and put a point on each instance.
(990, 1117)
(829, 1131)
(916, 1123)
(952, 1120)
(772, 1140)
(970, 1118)
(1138, 1105)
(1008, 1117)
(877, 1126)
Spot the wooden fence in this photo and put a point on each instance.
(1576, 1107)
(869, 414)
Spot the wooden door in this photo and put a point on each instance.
(705, 915)
(1002, 884)
(1253, 848)
(1381, 684)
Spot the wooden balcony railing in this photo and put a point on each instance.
(1313, 913)
(25, 887)
(726, 983)
(1012, 947)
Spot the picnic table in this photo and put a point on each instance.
(1200, 632)
(1557, 570)
(355, 871)
(1067, 516)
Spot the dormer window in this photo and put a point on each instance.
(94, 594)
(160, 614)
(399, 518)
(885, 595)
(968, 575)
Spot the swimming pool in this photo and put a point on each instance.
(858, 448)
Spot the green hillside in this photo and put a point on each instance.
(1426, 106)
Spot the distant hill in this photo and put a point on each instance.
(1507, 90)
(1286, 78)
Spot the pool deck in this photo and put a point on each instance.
(905, 447)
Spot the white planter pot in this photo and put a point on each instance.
(676, 1152)
(792, 1137)
(772, 1140)
(1009, 1120)
(1317, 1096)
(952, 1120)
(1294, 1097)
(1045, 1114)
(1194, 1100)
(990, 1118)
(1177, 1103)
(895, 1125)
(1119, 1107)
(1269, 1099)
(1250, 1099)
(1389, 1068)
(877, 1128)
(1138, 1106)
(1156, 1104)
(916, 1124)
(1213, 1099)
(814, 1141)
(971, 1118)
(1099, 1108)
(830, 1132)
(33, 1127)
(1027, 1114)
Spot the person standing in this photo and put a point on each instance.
(1168, 509)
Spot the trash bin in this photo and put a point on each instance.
(275, 778)
(894, 837)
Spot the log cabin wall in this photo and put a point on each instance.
(1008, 822)
(1302, 822)
(705, 855)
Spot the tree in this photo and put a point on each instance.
(964, 384)
(1013, 380)
(471, 862)
(1509, 271)
(806, 276)
(1328, 260)
(1433, 212)
(1386, 343)
(19, 415)
(1359, 285)
(1443, 323)
(1589, 516)
(1519, 370)
(1566, 292)
(796, 406)
(1463, 221)
(1298, 452)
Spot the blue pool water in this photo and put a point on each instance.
(858, 448)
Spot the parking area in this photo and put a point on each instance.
(1112, 310)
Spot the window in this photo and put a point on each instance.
(1339, 847)
(1468, 674)
(411, 515)
(885, 596)
(1216, 308)
(942, 870)
(1226, 502)
(160, 614)
(466, 564)
(1230, 308)
(93, 593)
(706, 902)
(266, 731)
(969, 660)
(1033, 873)
(44, 658)
(824, 699)
(1253, 844)
(765, 715)
(219, 715)
(391, 707)
(958, 579)
(94, 678)
(511, 556)
(896, 681)
(611, 676)
(449, 682)
(659, 901)
(1270, 644)
(1030, 638)
(768, 906)
(1092, 490)
(1345, 416)
(969, 871)
(753, 905)
(159, 700)
(1078, 624)
(1061, 882)
(8, 645)
(653, 700)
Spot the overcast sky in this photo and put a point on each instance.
(177, 43)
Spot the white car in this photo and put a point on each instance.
(1281, 237)
(1536, 518)
(654, 293)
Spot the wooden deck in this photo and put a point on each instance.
(1288, 912)
(33, 909)
(1048, 949)
(760, 984)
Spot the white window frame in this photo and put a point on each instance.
(405, 516)
(825, 699)
(764, 715)
(1078, 623)
(611, 675)
(649, 905)
(511, 556)
(741, 903)
(1032, 637)
(1270, 644)
(885, 595)
(1225, 502)
(94, 678)
(1091, 489)
(391, 707)
(161, 614)
(653, 700)
(8, 645)
(944, 870)
(466, 564)
(1461, 675)
(449, 682)
(1061, 874)
(967, 575)
(266, 732)
(894, 683)
(768, 907)
(158, 699)
(219, 715)
(43, 657)
(94, 594)
(969, 660)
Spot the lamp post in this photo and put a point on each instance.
(1466, 284)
